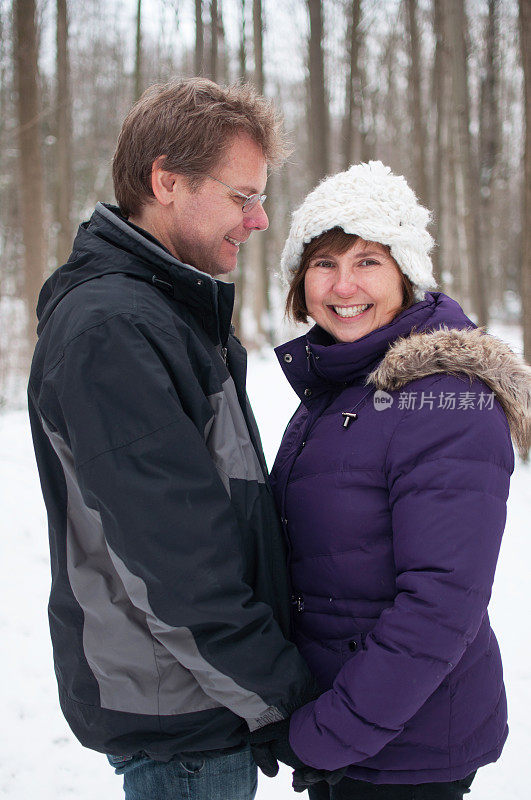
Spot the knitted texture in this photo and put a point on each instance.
(371, 202)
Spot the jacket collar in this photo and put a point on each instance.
(466, 352)
(107, 244)
(317, 362)
(433, 336)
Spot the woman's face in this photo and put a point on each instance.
(353, 294)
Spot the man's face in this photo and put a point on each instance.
(205, 227)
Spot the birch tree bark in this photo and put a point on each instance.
(30, 159)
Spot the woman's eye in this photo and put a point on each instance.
(324, 263)
(368, 262)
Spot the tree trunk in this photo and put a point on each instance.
(224, 68)
(419, 137)
(261, 306)
(242, 50)
(352, 120)
(488, 152)
(64, 138)
(458, 29)
(443, 183)
(199, 54)
(138, 51)
(525, 47)
(30, 158)
(319, 115)
(240, 273)
(213, 69)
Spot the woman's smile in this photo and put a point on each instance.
(351, 294)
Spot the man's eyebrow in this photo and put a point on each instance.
(248, 190)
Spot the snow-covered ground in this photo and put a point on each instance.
(39, 757)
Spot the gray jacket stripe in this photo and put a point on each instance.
(227, 438)
(135, 672)
(181, 643)
(122, 637)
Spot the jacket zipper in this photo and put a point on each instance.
(297, 600)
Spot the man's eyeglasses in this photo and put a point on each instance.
(250, 200)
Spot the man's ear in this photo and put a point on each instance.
(166, 185)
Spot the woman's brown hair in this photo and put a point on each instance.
(336, 242)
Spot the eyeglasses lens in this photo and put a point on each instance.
(252, 201)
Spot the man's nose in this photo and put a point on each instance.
(256, 219)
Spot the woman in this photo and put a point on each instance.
(392, 480)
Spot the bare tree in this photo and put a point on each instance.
(138, 51)
(258, 45)
(352, 119)
(213, 68)
(260, 249)
(64, 137)
(224, 66)
(240, 272)
(199, 53)
(468, 175)
(489, 146)
(525, 47)
(442, 173)
(319, 115)
(417, 114)
(242, 48)
(30, 159)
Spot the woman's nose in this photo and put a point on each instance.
(345, 284)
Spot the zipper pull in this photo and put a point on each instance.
(308, 355)
(298, 602)
(348, 417)
(224, 354)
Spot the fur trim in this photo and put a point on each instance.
(473, 353)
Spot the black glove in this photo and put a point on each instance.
(270, 744)
(304, 778)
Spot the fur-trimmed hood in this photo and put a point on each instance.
(469, 352)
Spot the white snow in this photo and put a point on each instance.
(39, 756)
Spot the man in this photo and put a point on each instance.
(169, 604)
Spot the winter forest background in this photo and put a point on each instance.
(438, 89)
(434, 88)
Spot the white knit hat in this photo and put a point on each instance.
(367, 200)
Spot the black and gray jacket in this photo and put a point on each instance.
(169, 607)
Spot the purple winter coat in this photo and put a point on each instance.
(394, 521)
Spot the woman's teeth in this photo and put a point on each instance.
(350, 311)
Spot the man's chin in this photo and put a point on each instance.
(226, 269)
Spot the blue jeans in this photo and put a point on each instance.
(231, 776)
